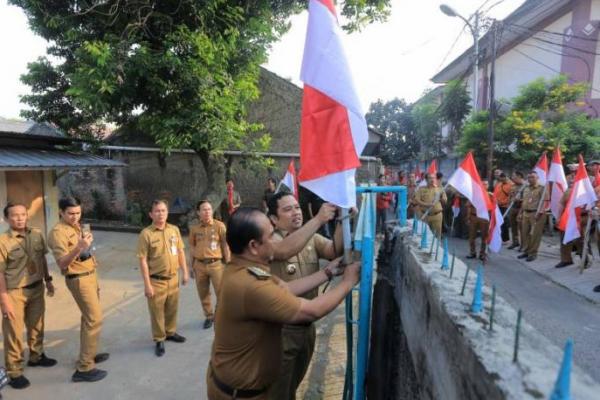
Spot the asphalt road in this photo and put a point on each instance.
(554, 310)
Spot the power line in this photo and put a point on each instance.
(452, 46)
(554, 33)
(558, 44)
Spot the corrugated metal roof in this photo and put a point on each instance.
(19, 158)
(30, 128)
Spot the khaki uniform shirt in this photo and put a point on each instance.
(516, 195)
(208, 240)
(22, 257)
(160, 248)
(531, 197)
(427, 195)
(302, 264)
(246, 351)
(63, 238)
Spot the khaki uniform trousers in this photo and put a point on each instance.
(533, 228)
(163, 307)
(435, 223)
(566, 250)
(29, 307)
(204, 275)
(298, 347)
(475, 225)
(86, 294)
(515, 225)
(214, 393)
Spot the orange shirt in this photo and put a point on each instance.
(502, 193)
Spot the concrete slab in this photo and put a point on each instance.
(134, 372)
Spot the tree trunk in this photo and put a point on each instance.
(215, 168)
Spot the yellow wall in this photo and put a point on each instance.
(50, 199)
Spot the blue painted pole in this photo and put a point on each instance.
(348, 379)
(562, 388)
(364, 303)
(415, 229)
(477, 304)
(445, 264)
(424, 237)
(402, 206)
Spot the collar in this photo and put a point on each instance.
(240, 263)
(13, 234)
(211, 223)
(65, 225)
(156, 228)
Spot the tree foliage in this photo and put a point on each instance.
(546, 113)
(394, 120)
(453, 110)
(183, 71)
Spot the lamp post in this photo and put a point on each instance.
(474, 28)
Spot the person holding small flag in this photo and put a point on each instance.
(516, 198)
(432, 199)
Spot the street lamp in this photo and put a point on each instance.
(474, 28)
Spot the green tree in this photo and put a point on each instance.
(427, 128)
(182, 71)
(546, 113)
(394, 120)
(453, 110)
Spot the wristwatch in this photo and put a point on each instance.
(48, 278)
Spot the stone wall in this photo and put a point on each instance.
(454, 355)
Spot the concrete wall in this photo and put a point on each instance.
(454, 355)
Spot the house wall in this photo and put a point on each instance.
(3, 200)
(51, 196)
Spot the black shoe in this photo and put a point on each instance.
(160, 349)
(177, 338)
(20, 382)
(42, 362)
(524, 255)
(93, 375)
(563, 264)
(472, 256)
(531, 258)
(513, 246)
(482, 257)
(207, 323)
(597, 289)
(101, 357)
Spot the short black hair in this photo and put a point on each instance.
(156, 202)
(272, 180)
(10, 205)
(199, 204)
(502, 175)
(67, 202)
(273, 202)
(439, 175)
(242, 227)
(533, 171)
(519, 174)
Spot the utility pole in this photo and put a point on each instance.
(492, 105)
(475, 32)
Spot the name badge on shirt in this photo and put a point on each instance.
(213, 246)
(173, 245)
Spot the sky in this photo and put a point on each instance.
(392, 59)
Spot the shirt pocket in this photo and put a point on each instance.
(156, 250)
(14, 255)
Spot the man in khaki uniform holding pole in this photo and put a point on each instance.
(532, 218)
(71, 246)
(298, 339)
(432, 198)
(23, 269)
(246, 355)
(209, 249)
(161, 253)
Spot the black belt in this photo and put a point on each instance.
(529, 210)
(208, 260)
(32, 285)
(74, 276)
(161, 277)
(235, 393)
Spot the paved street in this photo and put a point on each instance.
(134, 371)
(559, 303)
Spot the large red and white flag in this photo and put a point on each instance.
(541, 168)
(467, 182)
(582, 195)
(333, 130)
(556, 175)
(290, 180)
(432, 169)
(455, 207)
(495, 233)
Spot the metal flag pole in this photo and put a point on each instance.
(347, 236)
(512, 203)
(437, 197)
(586, 239)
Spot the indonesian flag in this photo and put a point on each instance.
(559, 186)
(432, 169)
(289, 179)
(455, 206)
(333, 130)
(495, 233)
(541, 168)
(582, 194)
(467, 182)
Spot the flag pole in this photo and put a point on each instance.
(346, 235)
(586, 239)
(437, 197)
(512, 203)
